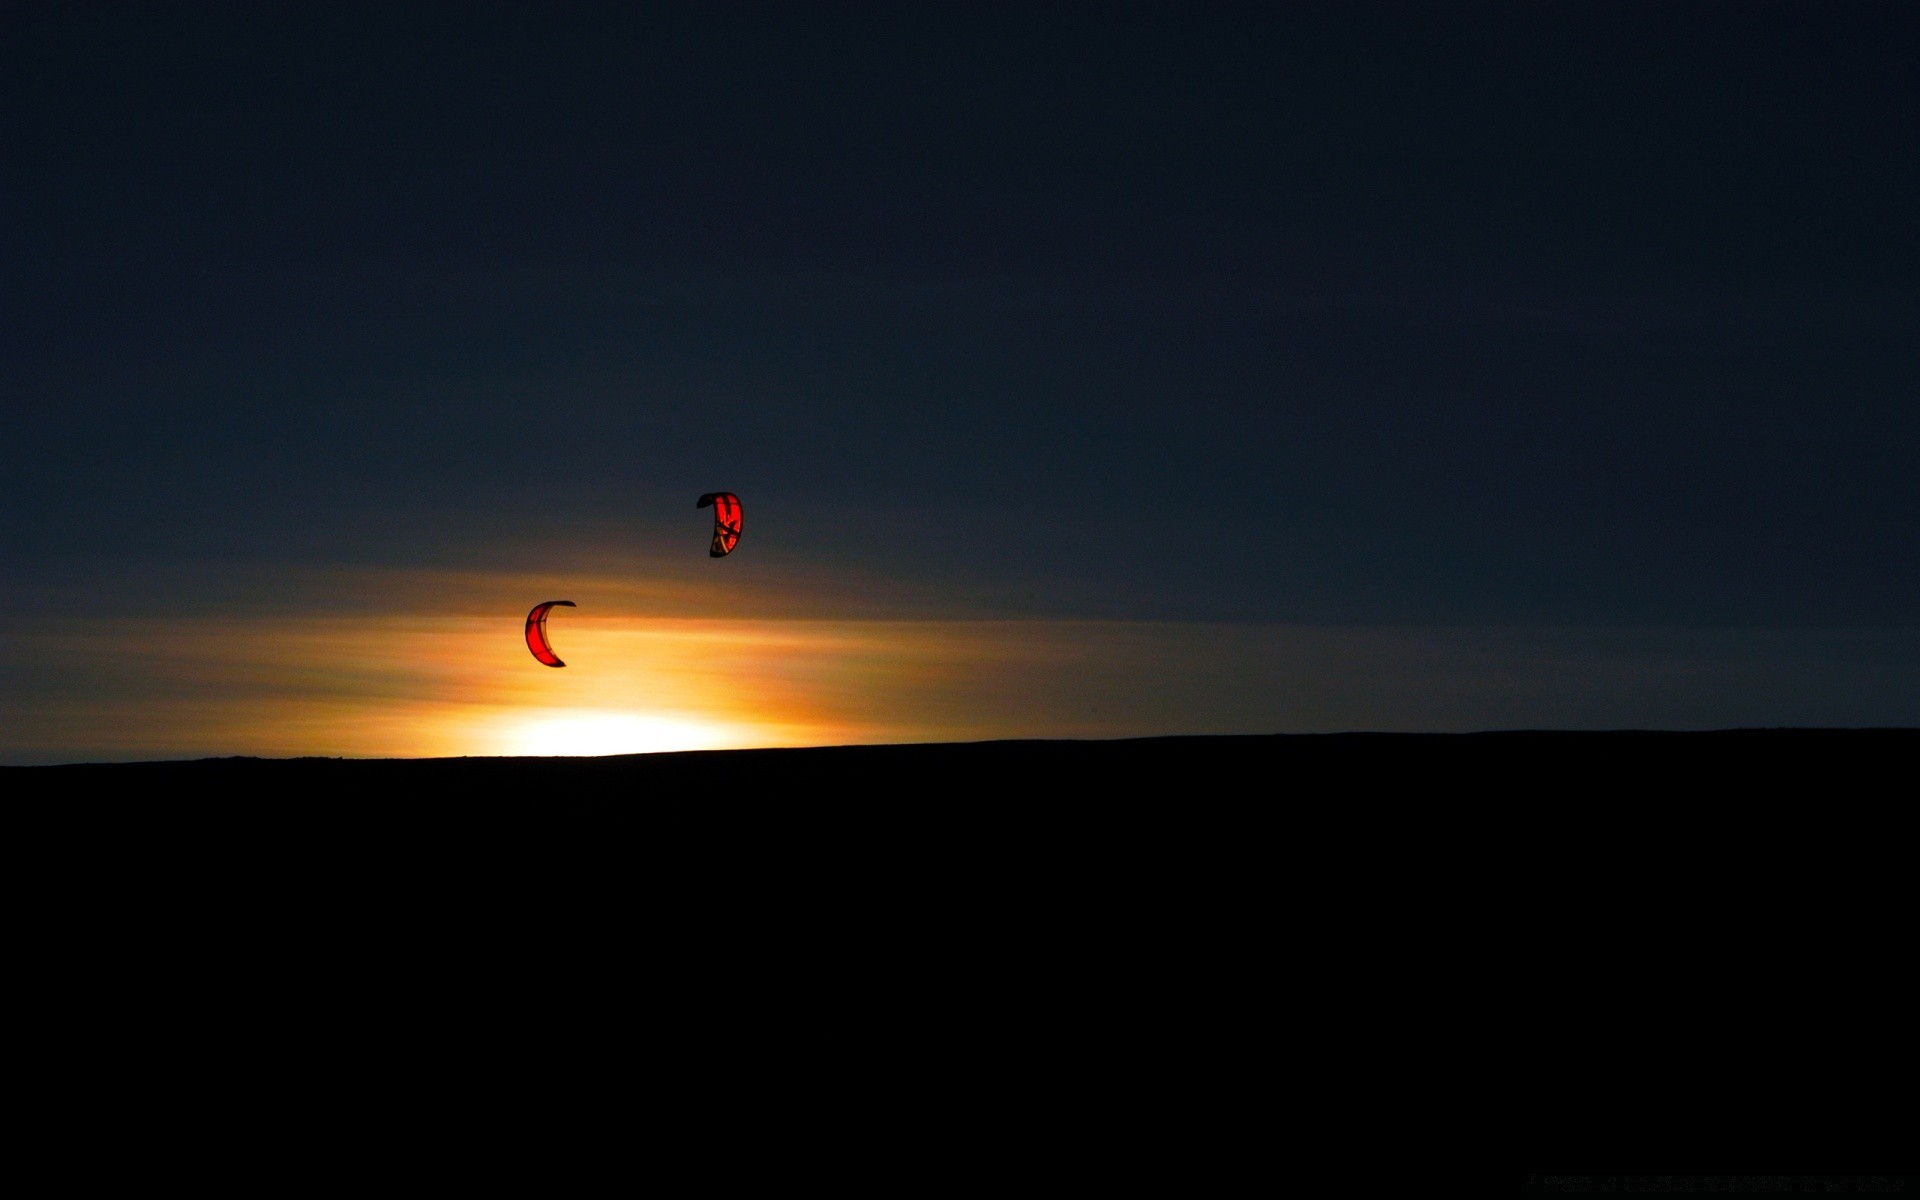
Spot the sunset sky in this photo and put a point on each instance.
(1085, 370)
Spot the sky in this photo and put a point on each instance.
(1084, 369)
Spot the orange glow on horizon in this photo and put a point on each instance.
(413, 686)
(429, 687)
(444, 671)
(385, 685)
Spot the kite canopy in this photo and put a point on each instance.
(537, 632)
(726, 522)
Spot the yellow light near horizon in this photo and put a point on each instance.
(429, 686)
(591, 733)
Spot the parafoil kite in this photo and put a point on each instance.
(537, 632)
(726, 522)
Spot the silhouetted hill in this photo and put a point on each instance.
(1515, 764)
(1161, 923)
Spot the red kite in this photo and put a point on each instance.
(537, 632)
(726, 522)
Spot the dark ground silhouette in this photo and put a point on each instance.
(1200, 769)
(1159, 922)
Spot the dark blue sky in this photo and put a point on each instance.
(1584, 314)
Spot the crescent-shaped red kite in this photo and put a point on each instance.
(726, 522)
(537, 632)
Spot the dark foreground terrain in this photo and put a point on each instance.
(1520, 765)
(702, 833)
(1143, 953)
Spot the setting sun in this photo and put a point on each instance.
(590, 732)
